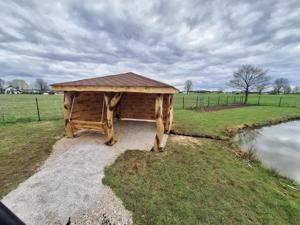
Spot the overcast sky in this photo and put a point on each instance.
(170, 41)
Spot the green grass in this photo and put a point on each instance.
(211, 99)
(23, 147)
(195, 181)
(22, 108)
(216, 123)
(199, 181)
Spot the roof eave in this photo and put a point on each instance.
(153, 90)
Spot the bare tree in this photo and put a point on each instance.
(281, 85)
(287, 89)
(248, 77)
(19, 83)
(41, 85)
(262, 86)
(296, 90)
(2, 82)
(188, 85)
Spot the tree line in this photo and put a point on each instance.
(250, 78)
(40, 85)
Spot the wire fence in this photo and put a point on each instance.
(206, 101)
(22, 108)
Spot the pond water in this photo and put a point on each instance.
(276, 146)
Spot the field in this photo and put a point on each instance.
(217, 122)
(193, 100)
(23, 147)
(22, 108)
(195, 181)
(200, 181)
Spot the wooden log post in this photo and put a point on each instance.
(159, 123)
(68, 97)
(111, 103)
(169, 119)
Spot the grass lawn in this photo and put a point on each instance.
(216, 123)
(23, 147)
(290, 100)
(21, 108)
(195, 181)
(199, 181)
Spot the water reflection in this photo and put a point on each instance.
(276, 146)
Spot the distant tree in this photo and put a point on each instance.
(261, 87)
(248, 77)
(2, 83)
(18, 83)
(41, 85)
(296, 90)
(281, 85)
(287, 89)
(188, 85)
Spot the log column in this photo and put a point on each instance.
(169, 119)
(159, 123)
(68, 97)
(111, 103)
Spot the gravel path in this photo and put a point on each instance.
(69, 183)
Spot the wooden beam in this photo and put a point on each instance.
(68, 97)
(169, 119)
(111, 103)
(159, 123)
(153, 90)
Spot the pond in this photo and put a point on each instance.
(276, 146)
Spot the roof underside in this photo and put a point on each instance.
(126, 82)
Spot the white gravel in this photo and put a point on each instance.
(69, 183)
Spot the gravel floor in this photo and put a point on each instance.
(69, 183)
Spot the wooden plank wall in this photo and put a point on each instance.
(88, 106)
(137, 106)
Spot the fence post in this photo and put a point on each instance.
(183, 102)
(234, 99)
(3, 116)
(219, 100)
(208, 101)
(258, 101)
(227, 100)
(280, 101)
(197, 102)
(38, 109)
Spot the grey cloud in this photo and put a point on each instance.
(167, 40)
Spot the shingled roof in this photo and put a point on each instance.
(124, 82)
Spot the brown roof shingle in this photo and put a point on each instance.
(119, 80)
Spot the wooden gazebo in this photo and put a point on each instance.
(94, 103)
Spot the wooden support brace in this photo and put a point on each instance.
(111, 103)
(68, 97)
(169, 119)
(159, 123)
